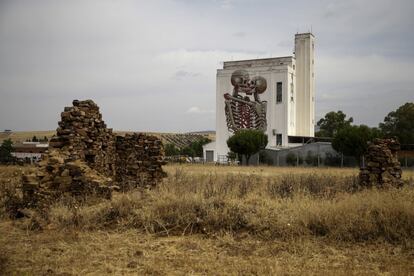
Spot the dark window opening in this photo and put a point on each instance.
(306, 139)
(278, 139)
(278, 92)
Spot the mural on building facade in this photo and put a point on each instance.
(243, 108)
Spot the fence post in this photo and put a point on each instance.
(319, 161)
(297, 159)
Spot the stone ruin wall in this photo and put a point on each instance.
(85, 157)
(83, 135)
(382, 166)
(138, 161)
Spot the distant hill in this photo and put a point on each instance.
(22, 136)
(180, 140)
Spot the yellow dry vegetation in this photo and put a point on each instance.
(219, 220)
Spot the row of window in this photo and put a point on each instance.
(279, 93)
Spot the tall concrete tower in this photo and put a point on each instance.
(305, 84)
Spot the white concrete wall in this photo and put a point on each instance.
(223, 86)
(295, 115)
(305, 82)
(291, 91)
(279, 115)
(24, 155)
(207, 147)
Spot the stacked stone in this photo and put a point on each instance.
(383, 168)
(139, 161)
(59, 175)
(85, 157)
(83, 133)
(81, 159)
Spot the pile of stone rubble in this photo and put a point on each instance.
(83, 134)
(86, 158)
(382, 166)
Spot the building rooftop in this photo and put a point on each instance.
(305, 34)
(277, 61)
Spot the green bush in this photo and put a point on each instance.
(171, 150)
(311, 159)
(247, 142)
(6, 149)
(291, 159)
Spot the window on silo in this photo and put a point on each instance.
(278, 92)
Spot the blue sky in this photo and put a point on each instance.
(151, 65)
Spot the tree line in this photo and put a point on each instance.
(352, 140)
(348, 139)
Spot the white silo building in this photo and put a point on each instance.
(276, 95)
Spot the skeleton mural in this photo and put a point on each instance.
(241, 111)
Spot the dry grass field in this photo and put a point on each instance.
(208, 220)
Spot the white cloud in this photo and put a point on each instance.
(198, 110)
(181, 74)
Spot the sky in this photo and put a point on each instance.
(151, 65)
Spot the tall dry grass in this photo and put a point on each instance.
(281, 206)
(10, 188)
(284, 207)
(218, 220)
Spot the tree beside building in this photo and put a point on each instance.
(247, 142)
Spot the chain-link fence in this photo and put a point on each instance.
(322, 154)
